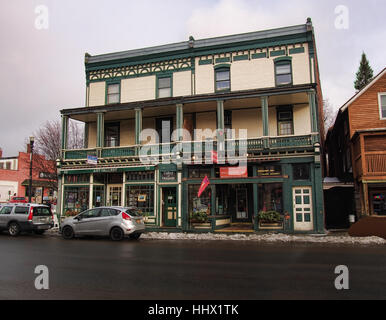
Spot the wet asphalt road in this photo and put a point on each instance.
(152, 269)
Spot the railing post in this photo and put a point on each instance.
(313, 115)
(264, 116)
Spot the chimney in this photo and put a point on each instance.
(1, 153)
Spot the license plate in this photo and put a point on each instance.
(42, 227)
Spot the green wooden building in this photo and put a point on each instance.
(157, 118)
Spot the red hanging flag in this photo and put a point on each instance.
(203, 186)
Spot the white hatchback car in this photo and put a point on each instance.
(116, 222)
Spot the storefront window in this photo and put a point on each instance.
(77, 178)
(98, 196)
(76, 200)
(140, 176)
(271, 197)
(141, 197)
(199, 207)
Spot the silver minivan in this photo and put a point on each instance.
(115, 222)
(19, 217)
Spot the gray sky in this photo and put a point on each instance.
(43, 70)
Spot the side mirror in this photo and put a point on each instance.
(78, 218)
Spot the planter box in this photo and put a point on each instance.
(270, 225)
(205, 225)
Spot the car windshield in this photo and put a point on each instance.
(133, 212)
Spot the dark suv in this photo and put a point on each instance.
(19, 217)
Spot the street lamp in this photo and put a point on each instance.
(31, 143)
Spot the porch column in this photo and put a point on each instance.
(91, 191)
(179, 121)
(220, 132)
(313, 112)
(138, 125)
(100, 129)
(86, 127)
(64, 132)
(264, 115)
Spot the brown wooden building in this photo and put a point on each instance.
(356, 146)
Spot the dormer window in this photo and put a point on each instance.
(283, 72)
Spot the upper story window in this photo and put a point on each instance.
(285, 125)
(112, 134)
(222, 78)
(112, 95)
(283, 71)
(382, 105)
(164, 86)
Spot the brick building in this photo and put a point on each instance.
(14, 177)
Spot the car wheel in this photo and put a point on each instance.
(135, 236)
(68, 233)
(116, 234)
(14, 229)
(39, 232)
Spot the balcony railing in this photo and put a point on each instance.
(376, 163)
(201, 147)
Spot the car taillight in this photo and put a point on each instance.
(126, 216)
(31, 210)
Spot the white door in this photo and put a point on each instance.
(302, 204)
(114, 195)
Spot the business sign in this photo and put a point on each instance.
(234, 172)
(92, 160)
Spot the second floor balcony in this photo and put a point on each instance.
(250, 123)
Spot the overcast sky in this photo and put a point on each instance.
(43, 69)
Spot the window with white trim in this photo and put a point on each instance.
(382, 105)
(113, 93)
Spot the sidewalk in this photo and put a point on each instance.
(331, 236)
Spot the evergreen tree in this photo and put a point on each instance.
(364, 74)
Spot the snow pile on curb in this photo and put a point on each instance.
(264, 238)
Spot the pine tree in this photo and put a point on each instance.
(364, 74)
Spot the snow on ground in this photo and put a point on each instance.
(340, 239)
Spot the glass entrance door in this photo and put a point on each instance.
(241, 203)
(114, 195)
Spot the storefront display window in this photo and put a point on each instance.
(141, 197)
(76, 200)
(98, 196)
(271, 197)
(199, 207)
